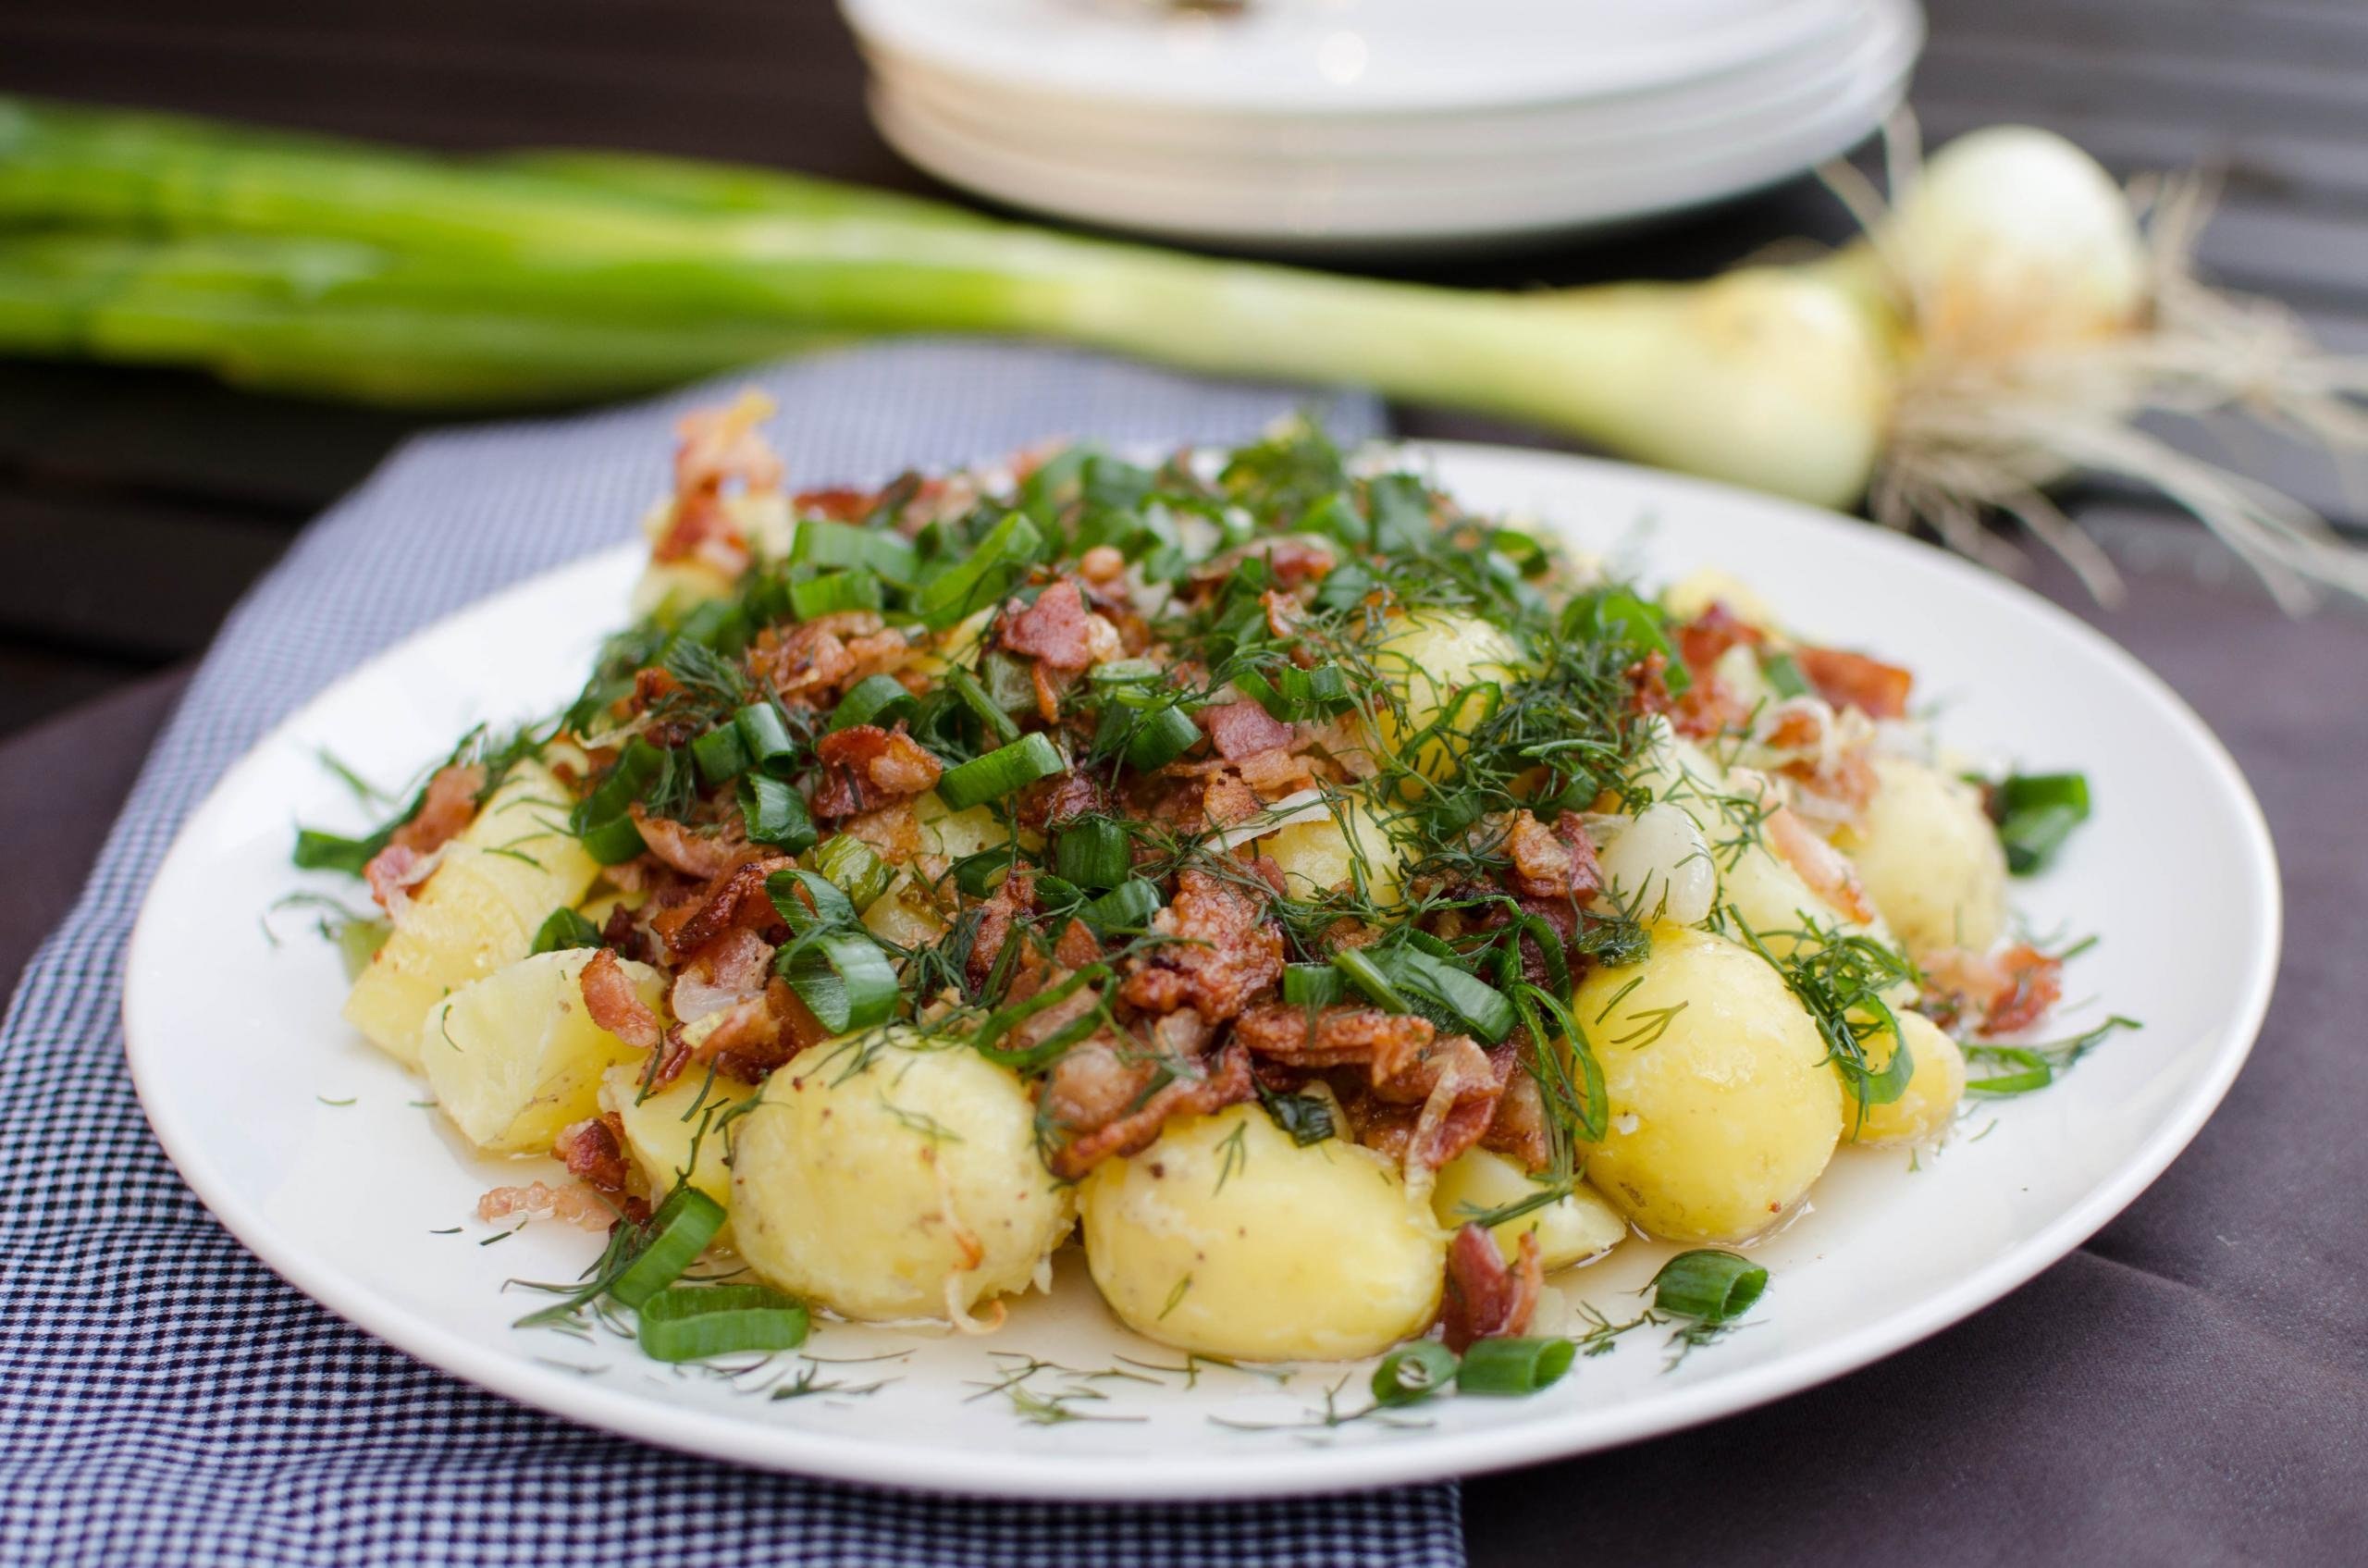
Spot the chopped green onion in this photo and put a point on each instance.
(1049, 1049)
(694, 1322)
(2022, 792)
(1094, 853)
(766, 734)
(564, 928)
(999, 724)
(775, 814)
(856, 869)
(638, 767)
(1473, 1003)
(1000, 772)
(720, 754)
(1709, 1286)
(1783, 673)
(1127, 907)
(1125, 673)
(1292, 693)
(317, 851)
(1009, 684)
(613, 843)
(1514, 1366)
(1310, 985)
(1412, 1373)
(821, 542)
(678, 1233)
(2038, 813)
(1363, 974)
(1160, 736)
(875, 699)
(980, 578)
(817, 597)
(842, 977)
(980, 874)
(2032, 1070)
(809, 901)
(1307, 1117)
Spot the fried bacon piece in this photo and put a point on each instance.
(718, 444)
(1447, 1086)
(1344, 1034)
(1486, 1298)
(1827, 871)
(803, 660)
(1707, 707)
(1223, 953)
(1051, 804)
(865, 767)
(1058, 630)
(737, 898)
(1556, 863)
(1015, 901)
(1703, 640)
(1853, 680)
(575, 1204)
(594, 1152)
(1243, 729)
(447, 807)
(615, 1005)
(687, 849)
(1226, 1082)
(1998, 993)
(732, 968)
(837, 503)
(1517, 1130)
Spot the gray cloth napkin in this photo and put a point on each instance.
(164, 1399)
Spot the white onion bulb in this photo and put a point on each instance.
(1659, 866)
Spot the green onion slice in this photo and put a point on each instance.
(766, 735)
(678, 1233)
(1159, 737)
(1472, 1002)
(844, 978)
(775, 814)
(1000, 772)
(720, 754)
(636, 768)
(1310, 985)
(1002, 1022)
(829, 595)
(1709, 1286)
(980, 874)
(563, 929)
(856, 869)
(1367, 977)
(1289, 693)
(1782, 673)
(974, 695)
(318, 851)
(614, 842)
(980, 578)
(1094, 853)
(2033, 834)
(875, 699)
(822, 908)
(694, 1322)
(1127, 907)
(2023, 791)
(1514, 1366)
(821, 542)
(1412, 1373)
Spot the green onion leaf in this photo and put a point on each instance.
(1159, 737)
(2024, 791)
(875, 699)
(1412, 1373)
(987, 1038)
(1367, 977)
(2031, 837)
(1783, 673)
(809, 901)
(856, 869)
(1289, 693)
(821, 542)
(980, 874)
(564, 928)
(1514, 1366)
(678, 1233)
(775, 814)
(1127, 907)
(1709, 1286)
(766, 735)
(613, 843)
(999, 724)
(829, 595)
(842, 977)
(1000, 772)
(1095, 852)
(1310, 985)
(694, 1322)
(980, 578)
(317, 851)
(1471, 1001)
(720, 754)
(2032, 1070)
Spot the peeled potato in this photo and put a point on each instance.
(1692, 595)
(1440, 662)
(890, 1176)
(478, 910)
(678, 1131)
(1724, 1107)
(1329, 852)
(1930, 858)
(1935, 1083)
(515, 1057)
(1570, 1230)
(1226, 1238)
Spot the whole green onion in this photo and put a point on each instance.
(693, 1322)
(1709, 1286)
(1514, 1366)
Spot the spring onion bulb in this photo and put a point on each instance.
(1998, 330)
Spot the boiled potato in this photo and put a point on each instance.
(478, 910)
(1226, 1238)
(1571, 1229)
(667, 1138)
(515, 1057)
(1325, 853)
(1438, 661)
(1934, 1085)
(1929, 857)
(892, 1177)
(1724, 1107)
(1691, 596)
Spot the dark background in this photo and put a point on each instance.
(2191, 1386)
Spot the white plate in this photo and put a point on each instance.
(344, 1200)
(1300, 57)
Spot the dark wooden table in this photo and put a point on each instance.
(137, 505)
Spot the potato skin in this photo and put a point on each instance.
(1934, 1086)
(1322, 853)
(1721, 1113)
(1438, 661)
(1930, 858)
(1228, 1238)
(888, 1177)
(1570, 1230)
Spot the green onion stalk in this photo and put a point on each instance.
(1997, 331)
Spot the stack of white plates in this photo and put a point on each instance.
(1377, 124)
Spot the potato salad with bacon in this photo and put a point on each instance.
(1333, 910)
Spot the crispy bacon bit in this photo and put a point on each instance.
(752, 1037)
(594, 1152)
(1015, 901)
(865, 767)
(1078, 946)
(1340, 1035)
(1518, 1129)
(806, 660)
(392, 873)
(1703, 640)
(1556, 863)
(1227, 799)
(1406, 1063)
(614, 1005)
(1226, 1084)
(1827, 871)
(575, 1204)
(621, 931)
(447, 807)
(1056, 630)
(687, 849)
(732, 968)
(1052, 804)
(2034, 983)
(1294, 560)
(1282, 613)
(736, 898)
(1244, 729)
(1707, 707)
(1853, 680)
(1487, 1299)
(2000, 992)
(721, 444)
(1225, 952)
(835, 502)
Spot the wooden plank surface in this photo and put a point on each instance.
(140, 503)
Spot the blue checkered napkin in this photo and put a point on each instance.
(164, 1398)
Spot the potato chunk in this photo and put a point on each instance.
(1930, 858)
(888, 1175)
(1724, 1107)
(515, 1057)
(1333, 851)
(1572, 1228)
(477, 911)
(1443, 668)
(677, 1132)
(1935, 1084)
(1226, 1238)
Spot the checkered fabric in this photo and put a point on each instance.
(164, 1399)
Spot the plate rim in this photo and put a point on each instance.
(875, 1463)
